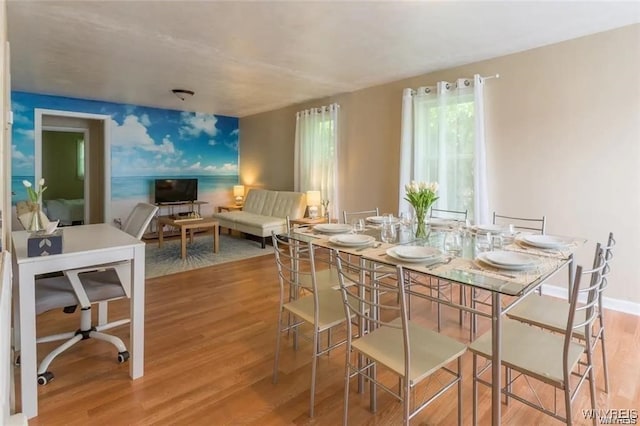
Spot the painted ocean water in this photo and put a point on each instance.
(142, 187)
(139, 187)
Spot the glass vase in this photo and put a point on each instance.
(36, 224)
(421, 222)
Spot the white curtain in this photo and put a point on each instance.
(316, 153)
(442, 140)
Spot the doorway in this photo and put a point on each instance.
(72, 153)
(63, 168)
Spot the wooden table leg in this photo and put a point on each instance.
(190, 235)
(183, 240)
(216, 239)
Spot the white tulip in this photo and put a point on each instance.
(41, 182)
(26, 183)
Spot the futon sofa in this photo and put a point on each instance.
(264, 211)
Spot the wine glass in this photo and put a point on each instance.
(388, 233)
(357, 225)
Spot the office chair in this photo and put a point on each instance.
(86, 286)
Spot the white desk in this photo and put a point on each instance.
(83, 246)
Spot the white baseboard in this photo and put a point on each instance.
(608, 302)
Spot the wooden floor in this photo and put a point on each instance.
(210, 336)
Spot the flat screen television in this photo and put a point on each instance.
(176, 190)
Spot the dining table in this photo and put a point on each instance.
(469, 266)
(82, 246)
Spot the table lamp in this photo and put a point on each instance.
(313, 201)
(238, 193)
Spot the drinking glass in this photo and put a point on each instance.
(388, 232)
(496, 241)
(453, 243)
(483, 242)
(406, 219)
(357, 225)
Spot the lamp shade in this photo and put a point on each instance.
(238, 190)
(313, 198)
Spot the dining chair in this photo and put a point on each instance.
(392, 341)
(442, 286)
(349, 216)
(551, 312)
(527, 224)
(520, 224)
(7, 389)
(457, 215)
(85, 287)
(308, 297)
(550, 358)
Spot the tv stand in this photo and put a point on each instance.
(172, 209)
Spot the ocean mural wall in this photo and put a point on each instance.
(146, 144)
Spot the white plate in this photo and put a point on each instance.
(490, 228)
(332, 228)
(544, 241)
(391, 252)
(515, 263)
(416, 252)
(351, 240)
(381, 219)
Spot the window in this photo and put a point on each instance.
(316, 150)
(443, 141)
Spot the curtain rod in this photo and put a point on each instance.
(490, 76)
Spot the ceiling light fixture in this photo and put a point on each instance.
(183, 94)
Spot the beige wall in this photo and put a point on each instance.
(563, 139)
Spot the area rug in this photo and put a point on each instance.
(166, 260)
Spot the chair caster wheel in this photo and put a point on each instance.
(45, 378)
(123, 356)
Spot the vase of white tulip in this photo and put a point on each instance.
(35, 198)
(421, 195)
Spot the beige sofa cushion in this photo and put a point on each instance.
(264, 211)
(275, 203)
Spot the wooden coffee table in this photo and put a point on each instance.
(188, 224)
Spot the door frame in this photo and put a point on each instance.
(106, 119)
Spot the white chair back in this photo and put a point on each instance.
(139, 219)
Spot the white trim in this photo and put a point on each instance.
(106, 119)
(618, 305)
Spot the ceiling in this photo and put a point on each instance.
(243, 58)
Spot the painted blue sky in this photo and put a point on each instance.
(144, 141)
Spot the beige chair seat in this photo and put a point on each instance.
(546, 312)
(429, 349)
(330, 312)
(530, 349)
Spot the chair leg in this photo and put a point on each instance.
(44, 365)
(459, 391)
(592, 383)
(604, 354)
(274, 378)
(264, 240)
(115, 341)
(406, 401)
(474, 389)
(347, 371)
(314, 368)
